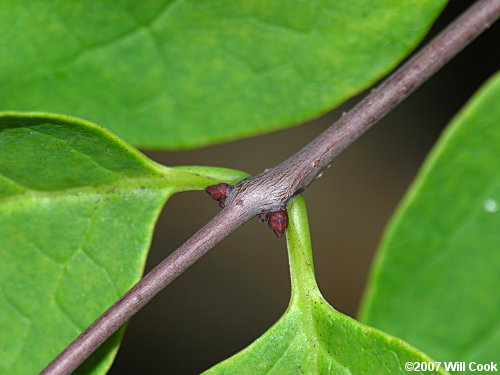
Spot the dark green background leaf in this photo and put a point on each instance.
(177, 74)
(436, 281)
(77, 210)
(311, 337)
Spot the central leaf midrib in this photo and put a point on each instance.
(122, 185)
(310, 329)
(307, 320)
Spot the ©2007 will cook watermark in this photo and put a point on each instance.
(465, 367)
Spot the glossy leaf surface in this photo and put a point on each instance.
(313, 338)
(436, 280)
(77, 211)
(175, 74)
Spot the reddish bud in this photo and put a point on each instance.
(278, 222)
(218, 192)
(263, 217)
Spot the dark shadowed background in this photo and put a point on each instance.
(241, 287)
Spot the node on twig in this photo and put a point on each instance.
(218, 192)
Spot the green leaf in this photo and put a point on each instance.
(176, 74)
(435, 282)
(311, 337)
(77, 210)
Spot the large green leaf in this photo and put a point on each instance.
(177, 74)
(436, 282)
(77, 210)
(313, 338)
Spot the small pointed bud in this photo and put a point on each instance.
(218, 192)
(263, 217)
(278, 222)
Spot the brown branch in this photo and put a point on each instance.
(271, 190)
